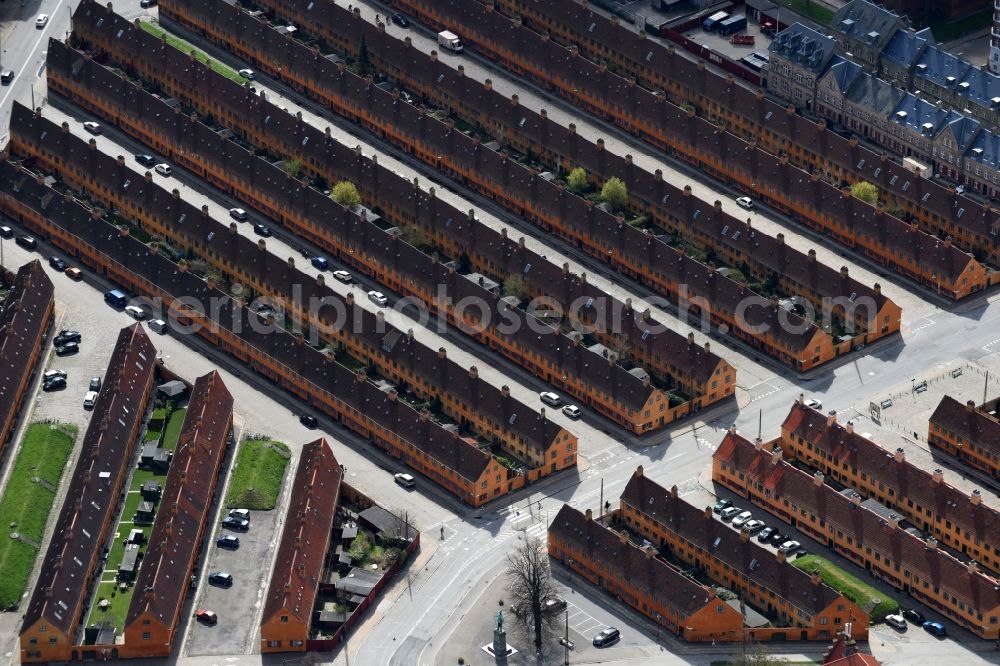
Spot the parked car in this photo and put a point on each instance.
(67, 349)
(163, 169)
(92, 127)
(27, 242)
(57, 263)
(67, 335)
(378, 298)
(405, 480)
(146, 160)
(52, 374)
(74, 273)
(320, 263)
(400, 20)
(228, 541)
(914, 616)
(745, 202)
(146, 3)
(42, 20)
(729, 513)
(308, 420)
(753, 526)
(607, 637)
(158, 325)
(550, 398)
(247, 74)
(6, 76)
(54, 384)
(896, 622)
(238, 214)
(6, 232)
(765, 534)
(261, 230)
(789, 547)
(553, 604)
(814, 403)
(95, 383)
(90, 400)
(343, 276)
(721, 505)
(741, 518)
(135, 312)
(206, 616)
(237, 524)
(778, 538)
(936, 629)
(240, 513)
(572, 411)
(220, 579)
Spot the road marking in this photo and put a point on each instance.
(988, 345)
(43, 35)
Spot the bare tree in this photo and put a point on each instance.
(530, 585)
(755, 654)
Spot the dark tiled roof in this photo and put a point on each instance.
(288, 351)
(864, 456)
(866, 528)
(587, 220)
(60, 593)
(803, 46)
(211, 236)
(866, 22)
(968, 423)
(299, 565)
(22, 324)
(185, 504)
(605, 549)
(715, 537)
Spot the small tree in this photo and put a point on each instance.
(865, 191)
(346, 194)
(614, 193)
(293, 167)
(515, 286)
(364, 63)
(530, 585)
(754, 654)
(577, 180)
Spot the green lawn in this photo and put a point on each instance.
(257, 476)
(850, 586)
(815, 11)
(173, 429)
(117, 610)
(26, 505)
(184, 46)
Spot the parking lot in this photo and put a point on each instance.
(723, 44)
(238, 607)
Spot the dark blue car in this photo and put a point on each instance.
(321, 263)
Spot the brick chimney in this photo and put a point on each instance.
(831, 418)
(970, 405)
(780, 556)
(815, 578)
(673, 491)
(976, 497)
(938, 476)
(639, 471)
(707, 513)
(442, 353)
(473, 372)
(744, 535)
(505, 391)
(900, 455)
(818, 478)
(589, 514)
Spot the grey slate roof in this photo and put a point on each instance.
(804, 46)
(985, 149)
(983, 88)
(845, 72)
(906, 46)
(876, 94)
(963, 129)
(861, 18)
(919, 115)
(940, 67)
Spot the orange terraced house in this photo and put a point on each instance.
(960, 521)
(640, 579)
(302, 552)
(967, 433)
(798, 604)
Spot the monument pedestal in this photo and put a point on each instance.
(498, 648)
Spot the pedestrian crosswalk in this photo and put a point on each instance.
(534, 530)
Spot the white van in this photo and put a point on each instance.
(163, 169)
(550, 398)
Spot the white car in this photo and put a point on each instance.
(745, 202)
(405, 480)
(378, 298)
(789, 547)
(753, 526)
(572, 411)
(42, 20)
(92, 127)
(742, 518)
(550, 398)
(343, 276)
(89, 400)
(247, 74)
(163, 169)
(815, 404)
(135, 312)
(896, 622)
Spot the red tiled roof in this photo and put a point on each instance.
(299, 565)
(971, 425)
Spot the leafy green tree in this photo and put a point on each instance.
(515, 286)
(614, 193)
(577, 180)
(293, 167)
(346, 194)
(865, 191)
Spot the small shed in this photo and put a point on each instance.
(151, 490)
(384, 522)
(172, 390)
(154, 457)
(349, 531)
(130, 564)
(144, 514)
(358, 582)
(135, 537)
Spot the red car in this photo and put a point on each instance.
(206, 616)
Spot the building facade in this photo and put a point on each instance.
(966, 433)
